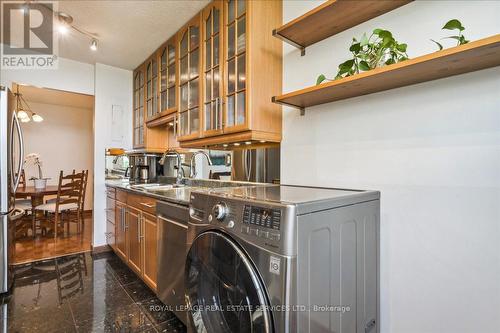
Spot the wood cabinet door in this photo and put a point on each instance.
(133, 226)
(212, 44)
(168, 76)
(190, 84)
(149, 239)
(138, 110)
(235, 61)
(120, 230)
(152, 108)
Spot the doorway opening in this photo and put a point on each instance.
(62, 141)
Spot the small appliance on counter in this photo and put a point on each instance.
(144, 166)
(116, 163)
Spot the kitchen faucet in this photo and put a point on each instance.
(192, 167)
(173, 152)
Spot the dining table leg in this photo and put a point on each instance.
(36, 200)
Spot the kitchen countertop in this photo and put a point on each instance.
(176, 195)
(179, 195)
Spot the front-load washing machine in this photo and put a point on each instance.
(282, 259)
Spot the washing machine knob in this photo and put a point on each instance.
(219, 211)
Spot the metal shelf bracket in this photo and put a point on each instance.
(301, 108)
(291, 42)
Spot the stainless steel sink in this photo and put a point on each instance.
(156, 187)
(164, 188)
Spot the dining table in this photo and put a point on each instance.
(36, 195)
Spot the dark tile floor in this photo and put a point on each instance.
(83, 293)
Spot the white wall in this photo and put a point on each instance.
(113, 86)
(63, 140)
(433, 150)
(71, 76)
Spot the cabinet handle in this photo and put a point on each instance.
(147, 204)
(139, 220)
(217, 113)
(175, 125)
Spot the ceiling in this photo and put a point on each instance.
(128, 31)
(53, 96)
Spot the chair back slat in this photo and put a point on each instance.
(70, 189)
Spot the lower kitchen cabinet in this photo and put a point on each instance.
(120, 230)
(136, 235)
(110, 217)
(134, 239)
(150, 249)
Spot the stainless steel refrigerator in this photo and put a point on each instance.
(256, 165)
(11, 162)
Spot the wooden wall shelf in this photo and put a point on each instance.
(476, 55)
(330, 18)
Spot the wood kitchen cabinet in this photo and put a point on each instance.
(168, 76)
(133, 231)
(146, 106)
(150, 249)
(213, 44)
(138, 110)
(189, 44)
(136, 234)
(121, 230)
(216, 76)
(251, 71)
(152, 87)
(110, 216)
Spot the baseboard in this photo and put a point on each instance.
(101, 249)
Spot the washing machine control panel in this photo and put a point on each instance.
(262, 217)
(262, 222)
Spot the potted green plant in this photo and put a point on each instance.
(370, 52)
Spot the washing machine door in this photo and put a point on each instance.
(224, 292)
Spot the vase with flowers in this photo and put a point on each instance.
(34, 159)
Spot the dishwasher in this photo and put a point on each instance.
(172, 251)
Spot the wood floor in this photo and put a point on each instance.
(28, 249)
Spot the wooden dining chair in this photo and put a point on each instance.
(76, 216)
(24, 203)
(68, 198)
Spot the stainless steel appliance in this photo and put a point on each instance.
(144, 167)
(173, 224)
(283, 259)
(11, 163)
(256, 165)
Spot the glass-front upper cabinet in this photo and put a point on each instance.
(235, 115)
(152, 87)
(168, 77)
(212, 68)
(189, 80)
(138, 114)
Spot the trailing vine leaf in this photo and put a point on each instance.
(320, 79)
(438, 44)
(453, 24)
(363, 65)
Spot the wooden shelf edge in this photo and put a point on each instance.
(473, 56)
(311, 27)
